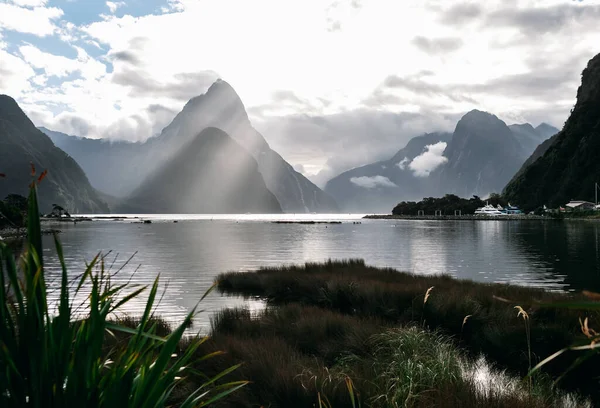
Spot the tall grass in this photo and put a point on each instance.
(59, 358)
(396, 298)
(303, 356)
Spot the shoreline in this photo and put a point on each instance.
(15, 233)
(458, 217)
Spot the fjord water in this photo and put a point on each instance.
(190, 253)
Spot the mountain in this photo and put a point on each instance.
(546, 131)
(482, 156)
(211, 174)
(567, 167)
(220, 107)
(378, 187)
(530, 138)
(21, 144)
(112, 167)
(479, 158)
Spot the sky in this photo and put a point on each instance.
(331, 84)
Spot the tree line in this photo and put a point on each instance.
(447, 204)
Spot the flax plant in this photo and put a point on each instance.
(57, 358)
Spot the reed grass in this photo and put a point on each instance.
(306, 356)
(55, 357)
(355, 289)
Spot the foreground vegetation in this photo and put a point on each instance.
(334, 319)
(74, 355)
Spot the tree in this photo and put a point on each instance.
(17, 201)
(58, 211)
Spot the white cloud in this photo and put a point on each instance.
(113, 6)
(38, 21)
(372, 182)
(429, 160)
(403, 163)
(59, 66)
(14, 75)
(29, 3)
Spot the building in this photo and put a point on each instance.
(575, 205)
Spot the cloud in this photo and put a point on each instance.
(38, 21)
(429, 160)
(328, 145)
(149, 122)
(543, 20)
(300, 168)
(403, 163)
(287, 96)
(113, 6)
(437, 45)
(372, 182)
(462, 13)
(126, 56)
(59, 66)
(418, 84)
(14, 74)
(183, 86)
(29, 3)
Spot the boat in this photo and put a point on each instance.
(489, 210)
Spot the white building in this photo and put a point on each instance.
(580, 205)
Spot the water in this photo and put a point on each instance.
(190, 253)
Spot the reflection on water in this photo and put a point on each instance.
(190, 253)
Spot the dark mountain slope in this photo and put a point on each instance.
(569, 167)
(20, 144)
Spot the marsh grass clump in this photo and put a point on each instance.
(78, 356)
(299, 356)
(397, 298)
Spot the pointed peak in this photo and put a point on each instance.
(476, 113)
(220, 92)
(477, 117)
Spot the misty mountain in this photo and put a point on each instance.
(567, 166)
(200, 179)
(21, 144)
(112, 167)
(482, 156)
(530, 138)
(378, 187)
(118, 168)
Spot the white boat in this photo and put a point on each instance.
(489, 210)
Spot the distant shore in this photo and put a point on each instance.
(12, 233)
(457, 217)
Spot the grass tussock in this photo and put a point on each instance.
(480, 317)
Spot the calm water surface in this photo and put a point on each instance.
(190, 253)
